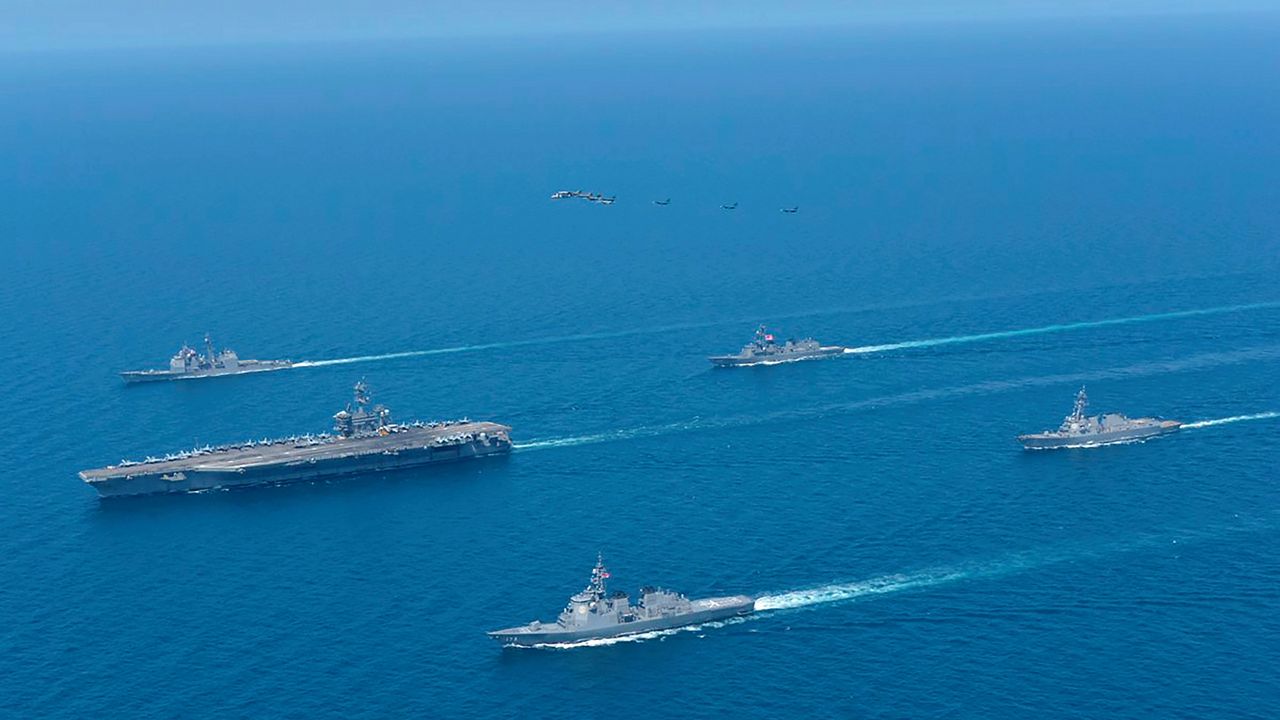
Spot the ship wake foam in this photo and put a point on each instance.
(1064, 327)
(841, 592)
(1228, 420)
(990, 568)
(551, 340)
(1011, 563)
(611, 436)
(375, 358)
(559, 339)
(792, 415)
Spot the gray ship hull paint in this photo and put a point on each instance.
(188, 364)
(597, 614)
(247, 367)
(703, 611)
(741, 361)
(1079, 430)
(366, 441)
(763, 350)
(194, 477)
(1053, 441)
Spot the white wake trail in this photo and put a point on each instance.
(990, 387)
(931, 577)
(384, 356)
(1009, 564)
(855, 351)
(848, 591)
(548, 340)
(615, 435)
(1232, 419)
(1064, 327)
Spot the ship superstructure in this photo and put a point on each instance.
(596, 613)
(765, 350)
(365, 440)
(1081, 430)
(188, 364)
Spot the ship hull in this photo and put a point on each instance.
(1053, 441)
(246, 368)
(727, 361)
(704, 611)
(139, 480)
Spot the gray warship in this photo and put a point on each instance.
(764, 350)
(365, 440)
(594, 614)
(188, 364)
(1078, 430)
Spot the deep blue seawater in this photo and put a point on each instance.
(324, 203)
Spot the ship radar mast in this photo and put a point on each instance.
(1082, 404)
(208, 348)
(598, 575)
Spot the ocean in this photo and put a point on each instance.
(991, 214)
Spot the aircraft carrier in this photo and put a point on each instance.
(594, 614)
(1078, 430)
(188, 364)
(365, 440)
(764, 350)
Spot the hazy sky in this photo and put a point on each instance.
(73, 24)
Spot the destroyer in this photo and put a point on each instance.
(763, 350)
(365, 441)
(594, 613)
(188, 364)
(1077, 430)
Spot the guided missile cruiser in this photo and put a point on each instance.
(764, 350)
(188, 364)
(595, 613)
(364, 441)
(1078, 430)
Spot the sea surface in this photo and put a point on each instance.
(993, 215)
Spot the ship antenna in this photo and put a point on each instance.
(208, 346)
(362, 394)
(598, 575)
(1082, 404)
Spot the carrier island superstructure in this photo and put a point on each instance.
(595, 613)
(187, 364)
(365, 440)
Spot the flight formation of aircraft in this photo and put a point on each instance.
(609, 200)
(588, 196)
